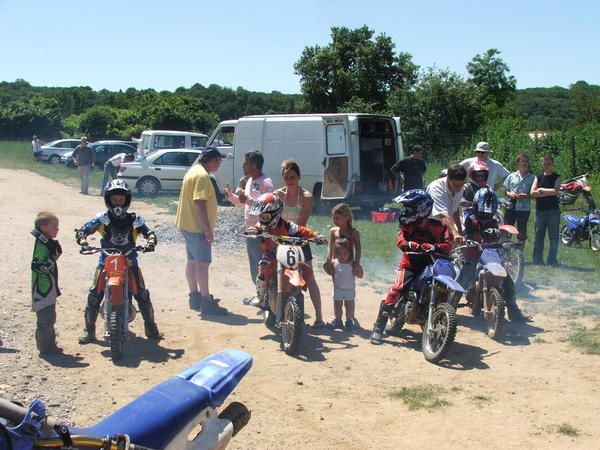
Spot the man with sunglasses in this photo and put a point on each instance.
(497, 172)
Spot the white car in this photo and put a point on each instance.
(53, 151)
(162, 170)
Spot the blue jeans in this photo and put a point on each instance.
(546, 220)
(254, 255)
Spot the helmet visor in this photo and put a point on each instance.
(480, 175)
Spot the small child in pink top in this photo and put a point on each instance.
(344, 285)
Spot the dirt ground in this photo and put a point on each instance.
(335, 394)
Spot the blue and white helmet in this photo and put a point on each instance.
(416, 205)
(485, 204)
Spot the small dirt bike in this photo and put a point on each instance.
(118, 284)
(163, 418)
(578, 228)
(492, 283)
(283, 294)
(428, 304)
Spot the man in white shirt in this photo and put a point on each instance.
(36, 148)
(111, 167)
(447, 193)
(497, 171)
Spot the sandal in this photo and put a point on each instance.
(318, 325)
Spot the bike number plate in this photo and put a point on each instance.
(289, 256)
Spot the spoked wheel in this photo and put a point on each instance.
(291, 327)
(437, 340)
(394, 326)
(595, 240)
(515, 264)
(116, 333)
(494, 317)
(566, 236)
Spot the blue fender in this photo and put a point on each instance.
(572, 221)
(448, 281)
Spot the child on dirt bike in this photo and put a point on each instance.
(481, 226)
(44, 280)
(268, 209)
(417, 233)
(119, 229)
(478, 174)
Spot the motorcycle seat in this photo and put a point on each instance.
(156, 417)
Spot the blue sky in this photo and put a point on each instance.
(254, 44)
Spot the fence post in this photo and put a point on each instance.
(573, 165)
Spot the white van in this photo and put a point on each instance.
(341, 156)
(152, 140)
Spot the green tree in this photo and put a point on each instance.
(586, 99)
(441, 111)
(356, 65)
(491, 76)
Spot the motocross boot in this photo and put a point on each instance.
(380, 323)
(145, 305)
(89, 332)
(261, 291)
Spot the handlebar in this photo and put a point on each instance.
(15, 414)
(287, 240)
(109, 251)
(432, 254)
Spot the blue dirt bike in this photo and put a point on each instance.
(162, 418)
(578, 228)
(429, 304)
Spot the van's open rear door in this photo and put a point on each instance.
(336, 173)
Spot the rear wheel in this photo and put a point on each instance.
(291, 328)
(494, 316)
(116, 333)
(515, 264)
(566, 236)
(148, 186)
(437, 339)
(595, 240)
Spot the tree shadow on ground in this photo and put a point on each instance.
(137, 349)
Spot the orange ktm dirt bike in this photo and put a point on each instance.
(118, 284)
(283, 300)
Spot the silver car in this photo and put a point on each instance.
(162, 170)
(53, 151)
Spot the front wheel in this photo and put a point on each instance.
(116, 333)
(566, 236)
(595, 240)
(494, 313)
(515, 260)
(54, 159)
(291, 327)
(438, 337)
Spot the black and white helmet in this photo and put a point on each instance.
(117, 187)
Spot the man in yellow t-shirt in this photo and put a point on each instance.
(196, 218)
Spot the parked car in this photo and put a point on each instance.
(162, 170)
(53, 151)
(104, 151)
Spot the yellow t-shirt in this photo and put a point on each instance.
(196, 186)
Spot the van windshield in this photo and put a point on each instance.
(169, 141)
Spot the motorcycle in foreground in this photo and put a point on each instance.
(283, 295)
(162, 418)
(492, 283)
(118, 284)
(428, 304)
